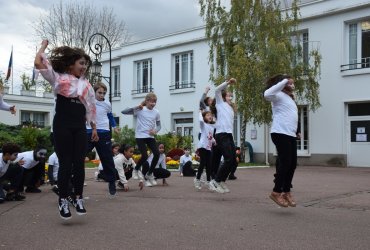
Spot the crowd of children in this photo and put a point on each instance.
(83, 119)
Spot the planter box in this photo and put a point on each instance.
(48, 95)
(28, 92)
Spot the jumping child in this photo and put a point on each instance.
(75, 104)
(224, 112)
(148, 124)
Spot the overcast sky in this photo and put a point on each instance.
(144, 19)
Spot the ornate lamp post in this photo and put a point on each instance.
(96, 65)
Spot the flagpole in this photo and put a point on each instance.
(12, 72)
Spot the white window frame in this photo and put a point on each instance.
(353, 59)
(303, 143)
(183, 70)
(31, 116)
(116, 82)
(302, 40)
(140, 86)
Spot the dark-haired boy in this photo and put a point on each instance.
(10, 172)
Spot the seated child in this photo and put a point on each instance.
(124, 165)
(186, 165)
(160, 171)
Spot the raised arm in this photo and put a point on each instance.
(38, 59)
(202, 104)
(273, 90)
(131, 111)
(222, 86)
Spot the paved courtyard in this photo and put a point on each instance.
(333, 212)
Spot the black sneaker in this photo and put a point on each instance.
(80, 209)
(14, 196)
(78, 204)
(33, 190)
(55, 189)
(64, 211)
(120, 185)
(112, 188)
(232, 177)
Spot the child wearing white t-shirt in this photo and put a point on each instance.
(147, 125)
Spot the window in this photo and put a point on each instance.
(302, 143)
(358, 35)
(301, 42)
(184, 127)
(116, 82)
(183, 71)
(143, 77)
(37, 119)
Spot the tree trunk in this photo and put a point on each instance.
(243, 129)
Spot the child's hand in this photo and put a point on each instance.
(13, 110)
(152, 132)
(44, 43)
(141, 185)
(231, 81)
(126, 188)
(207, 89)
(117, 130)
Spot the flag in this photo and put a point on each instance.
(10, 66)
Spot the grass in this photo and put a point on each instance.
(90, 164)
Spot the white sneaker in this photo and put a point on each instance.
(215, 186)
(147, 183)
(224, 187)
(151, 179)
(203, 178)
(135, 174)
(197, 184)
(140, 175)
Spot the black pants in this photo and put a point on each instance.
(152, 145)
(187, 169)
(33, 177)
(128, 174)
(104, 149)
(13, 175)
(205, 162)
(159, 173)
(225, 147)
(287, 161)
(70, 147)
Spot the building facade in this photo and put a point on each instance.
(176, 68)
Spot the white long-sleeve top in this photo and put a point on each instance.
(27, 157)
(206, 137)
(284, 110)
(161, 161)
(121, 163)
(225, 113)
(4, 105)
(102, 120)
(3, 165)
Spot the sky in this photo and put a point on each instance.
(144, 19)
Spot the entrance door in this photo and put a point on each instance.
(184, 127)
(358, 134)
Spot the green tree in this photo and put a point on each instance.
(27, 82)
(253, 41)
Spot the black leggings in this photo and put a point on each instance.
(152, 145)
(159, 173)
(70, 147)
(225, 147)
(287, 161)
(205, 161)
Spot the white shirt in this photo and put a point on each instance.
(161, 161)
(4, 105)
(121, 163)
(184, 159)
(284, 110)
(146, 121)
(3, 165)
(102, 120)
(225, 113)
(206, 137)
(27, 157)
(53, 160)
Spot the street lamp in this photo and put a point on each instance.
(96, 65)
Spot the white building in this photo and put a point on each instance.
(176, 68)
